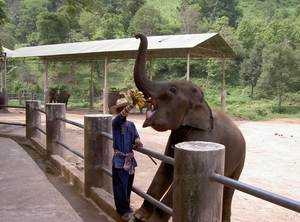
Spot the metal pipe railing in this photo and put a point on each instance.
(10, 123)
(71, 122)
(144, 195)
(251, 190)
(70, 149)
(257, 192)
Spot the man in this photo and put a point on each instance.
(125, 136)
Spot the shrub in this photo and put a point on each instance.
(277, 109)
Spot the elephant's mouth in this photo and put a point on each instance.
(154, 107)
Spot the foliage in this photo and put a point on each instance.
(190, 18)
(6, 37)
(3, 17)
(146, 20)
(255, 81)
(53, 27)
(279, 69)
(27, 16)
(247, 31)
(251, 67)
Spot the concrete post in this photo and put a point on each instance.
(223, 101)
(105, 101)
(46, 95)
(195, 196)
(33, 119)
(55, 129)
(5, 94)
(97, 152)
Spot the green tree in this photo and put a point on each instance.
(3, 20)
(232, 66)
(54, 5)
(147, 20)
(214, 9)
(89, 23)
(280, 30)
(279, 70)
(7, 38)
(3, 17)
(53, 27)
(190, 18)
(27, 17)
(73, 20)
(75, 7)
(247, 31)
(251, 67)
(128, 9)
(110, 27)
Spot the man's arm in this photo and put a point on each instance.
(127, 109)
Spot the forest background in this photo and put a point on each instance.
(262, 82)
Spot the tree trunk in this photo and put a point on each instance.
(279, 99)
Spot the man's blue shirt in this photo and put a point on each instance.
(124, 135)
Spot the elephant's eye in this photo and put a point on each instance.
(173, 89)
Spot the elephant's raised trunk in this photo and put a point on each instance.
(140, 78)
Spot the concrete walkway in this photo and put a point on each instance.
(25, 192)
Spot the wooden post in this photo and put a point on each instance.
(33, 119)
(195, 196)
(97, 152)
(20, 97)
(55, 129)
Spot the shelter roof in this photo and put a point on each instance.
(9, 53)
(210, 45)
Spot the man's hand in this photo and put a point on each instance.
(138, 143)
(137, 97)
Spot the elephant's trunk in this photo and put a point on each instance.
(140, 78)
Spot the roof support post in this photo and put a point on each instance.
(223, 95)
(46, 90)
(3, 81)
(105, 91)
(188, 66)
(4, 71)
(91, 87)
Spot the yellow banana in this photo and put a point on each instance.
(138, 96)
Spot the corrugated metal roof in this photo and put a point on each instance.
(166, 46)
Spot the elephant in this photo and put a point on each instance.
(62, 97)
(113, 97)
(180, 106)
(2, 100)
(52, 95)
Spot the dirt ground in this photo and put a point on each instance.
(272, 160)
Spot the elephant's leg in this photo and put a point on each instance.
(160, 184)
(228, 194)
(160, 215)
(227, 200)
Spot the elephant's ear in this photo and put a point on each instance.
(199, 114)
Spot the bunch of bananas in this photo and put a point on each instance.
(137, 97)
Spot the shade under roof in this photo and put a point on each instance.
(210, 45)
